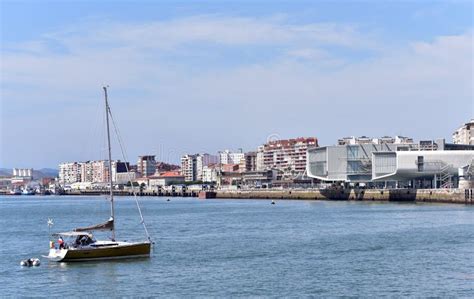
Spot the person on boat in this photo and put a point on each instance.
(61, 243)
(87, 240)
(79, 241)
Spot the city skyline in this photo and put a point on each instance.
(203, 78)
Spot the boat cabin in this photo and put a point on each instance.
(67, 240)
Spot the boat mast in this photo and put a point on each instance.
(110, 163)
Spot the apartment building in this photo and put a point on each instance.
(146, 165)
(86, 171)
(285, 155)
(188, 167)
(210, 173)
(204, 160)
(249, 162)
(90, 171)
(70, 172)
(259, 158)
(464, 134)
(192, 165)
(228, 157)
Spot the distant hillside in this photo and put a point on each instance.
(5, 172)
(162, 166)
(37, 173)
(48, 172)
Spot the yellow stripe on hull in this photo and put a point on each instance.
(109, 252)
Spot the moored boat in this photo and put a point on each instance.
(80, 244)
(28, 191)
(15, 191)
(76, 250)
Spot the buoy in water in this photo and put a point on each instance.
(273, 202)
(30, 262)
(168, 199)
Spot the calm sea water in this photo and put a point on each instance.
(247, 248)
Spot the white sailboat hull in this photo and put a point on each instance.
(115, 250)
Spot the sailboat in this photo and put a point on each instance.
(80, 244)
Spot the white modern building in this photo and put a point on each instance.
(347, 163)
(382, 162)
(442, 167)
(465, 134)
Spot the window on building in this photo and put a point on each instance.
(352, 152)
(354, 166)
(318, 168)
(420, 163)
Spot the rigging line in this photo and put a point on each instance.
(124, 154)
(101, 151)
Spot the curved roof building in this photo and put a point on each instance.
(408, 165)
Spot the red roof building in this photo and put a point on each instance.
(170, 174)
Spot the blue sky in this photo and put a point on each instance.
(195, 76)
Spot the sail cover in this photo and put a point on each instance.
(108, 225)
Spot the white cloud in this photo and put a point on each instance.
(139, 54)
(212, 29)
(308, 53)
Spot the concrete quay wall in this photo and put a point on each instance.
(461, 196)
(131, 193)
